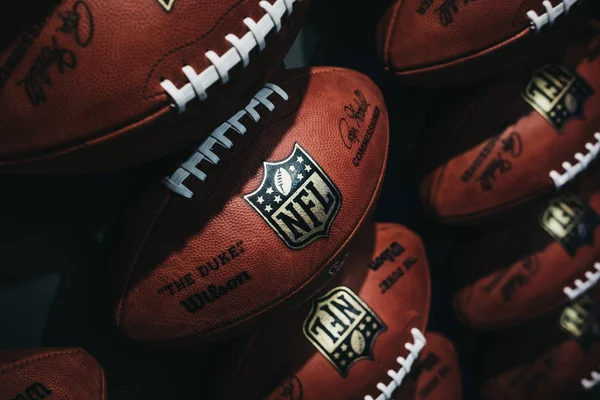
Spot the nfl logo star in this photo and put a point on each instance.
(570, 221)
(558, 94)
(343, 328)
(297, 199)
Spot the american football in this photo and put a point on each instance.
(218, 244)
(99, 85)
(65, 374)
(552, 357)
(437, 372)
(361, 335)
(520, 136)
(448, 42)
(548, 256)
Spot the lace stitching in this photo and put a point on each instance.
(415, 348)
(205, 152)
(590, 383)
(583, 286)
(582, 163)
(551, 14)
(238, 53)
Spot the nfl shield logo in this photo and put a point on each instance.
(343, 328)
(297, 199)
(570, 221)
(580, 320)
(558, 94)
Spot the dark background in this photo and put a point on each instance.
(54, 283)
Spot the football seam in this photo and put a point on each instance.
(182, 46)
(127, 285)
(388, 36)
(453, 62)
(102, 383)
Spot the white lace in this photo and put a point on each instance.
(538, 21)
(405, 365)
(590, 383)
(582, 287)
(239, 52)
(205, 150)
(582, 162)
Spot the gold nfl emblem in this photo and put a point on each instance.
(297, 199)
(580, 320)
(558, 94)
(570, 221)
(343, 328)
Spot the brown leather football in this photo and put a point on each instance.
(517, 137)
(437, 372)
(553, 357)
(95, 85)
(543, 256)
(65, 374)
(447, 42)
(259, 218)
(358, 338)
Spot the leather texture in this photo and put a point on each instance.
(217, 235)
(65, 374)
(448, 42)
(80, 87)
(497, 151)
(538, 360)
(290, 366)
(438, 375)
(514, 270)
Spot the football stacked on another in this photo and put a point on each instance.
(43, 373)
(517, 137)
(95, 85)
(446, 42)
(260, 217)
(552, 357)
(543, 256)
(359, 337)
(436, 372)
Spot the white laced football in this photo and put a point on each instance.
(415, 348)
(582, 163)
(205, 150)
(590, 383)
(238, 53)
(551, 14)
(583, 286)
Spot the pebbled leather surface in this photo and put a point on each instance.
(166, 236)
(537, 360)
(69, 374)
(437, 371)
(498, 112)
(514, 270)
(80, 87)
(283, 356)
(442, 42)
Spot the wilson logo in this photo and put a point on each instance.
(36, 391)
(214, 293)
